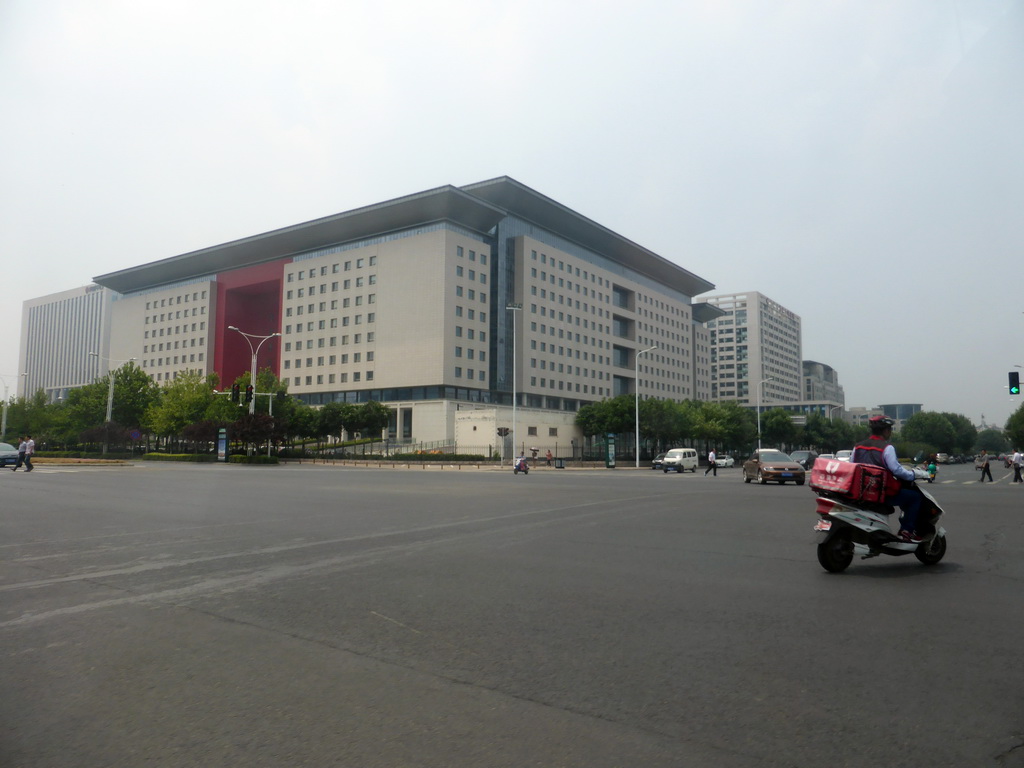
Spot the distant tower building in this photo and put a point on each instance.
(757, 344)
(821, 383)
(58, 333)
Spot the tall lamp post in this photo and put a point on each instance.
(516, 307)
(3, 420)
(637, 398)
(760, 389)
(832, 410)
(255, 353)
(110, 394)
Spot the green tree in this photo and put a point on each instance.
(994, 441)
(184, 401)
(375, 417)
(663, 422)
(588, 419)
(778, 429)
(741, 427)
(711, 423)
(616, 415)
(336, 418)
(134, 393)
(930, 428)
(965, 433)
(1015, 428)
(815, 431)
(304, 423)
(84, 408)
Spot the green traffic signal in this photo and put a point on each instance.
(1014, 383)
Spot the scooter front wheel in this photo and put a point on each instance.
(835, 553)
(931, 552)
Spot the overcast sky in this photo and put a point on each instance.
(860, 162)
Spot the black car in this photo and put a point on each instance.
(8, 454)
(804, 458)
(657, 461)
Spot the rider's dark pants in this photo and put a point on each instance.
(909, 501)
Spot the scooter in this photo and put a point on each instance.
(520, 465)
(856, 528)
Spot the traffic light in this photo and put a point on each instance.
(248, 393)
(1014, 383)
(235, 390)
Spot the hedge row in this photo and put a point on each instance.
(84, 455)
(195, 457)
(209, 458)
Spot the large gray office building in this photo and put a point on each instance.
(450, 297)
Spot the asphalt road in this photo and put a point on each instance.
(164, 615)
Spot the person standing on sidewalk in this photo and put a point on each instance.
(712, 464)
(983, 460)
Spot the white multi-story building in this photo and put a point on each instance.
(64, 340)
(448, 298)
(755, 350)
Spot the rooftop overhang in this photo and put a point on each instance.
(446, 203)
(530, 205)
(703, 312)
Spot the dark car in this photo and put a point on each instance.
(769, 464)
(657, 461)
(804, 458)
(8, 454)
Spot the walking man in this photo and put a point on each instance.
(712, 465)
(1017, 461)
(22, 447)
(983, 459)
(30, 449)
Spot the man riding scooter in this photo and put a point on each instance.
(877, 451)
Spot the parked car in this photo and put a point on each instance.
(843, 455)
(942, 458)
(8, 454)
(724, 461)
(804, 458)
(657, 461)
(679, 460)
(769, 464)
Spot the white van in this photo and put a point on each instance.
(679, 460)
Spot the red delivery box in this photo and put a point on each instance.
(860, 482)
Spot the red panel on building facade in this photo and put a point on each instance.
(250, 300)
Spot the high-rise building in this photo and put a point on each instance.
(445, 297)
(64, 340)
(755, 350)
(821, 382)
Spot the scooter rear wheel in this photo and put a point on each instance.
(835, 553)
(932, 552)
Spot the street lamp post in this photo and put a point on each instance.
(760, 389)
(255, 353)
(3, 419)
(832, 410)
(110, 395)
(516, 307)
(637, 398)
